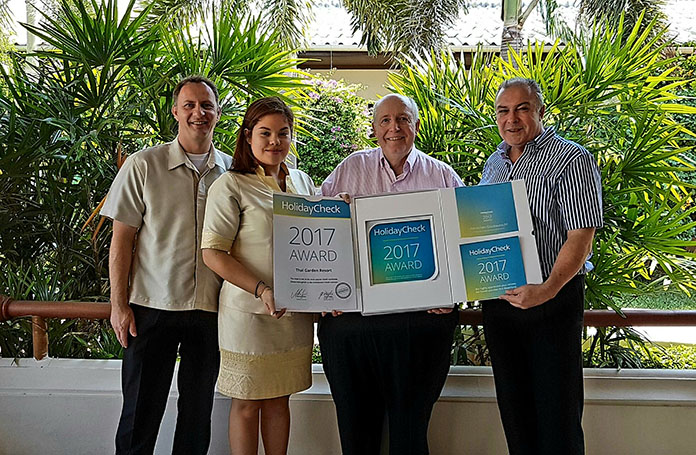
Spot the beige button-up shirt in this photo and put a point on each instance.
(160, 192)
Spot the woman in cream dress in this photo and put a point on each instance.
(265, 353)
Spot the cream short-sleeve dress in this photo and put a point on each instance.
(260, 356)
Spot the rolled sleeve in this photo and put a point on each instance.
(125, 201)
(580, 191)
(222, 212)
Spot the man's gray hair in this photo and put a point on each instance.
(531, 85)
(408, 101)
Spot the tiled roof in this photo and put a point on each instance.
(482, 24)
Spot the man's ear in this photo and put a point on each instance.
(174, 112)
(417, 126)
(541, 112)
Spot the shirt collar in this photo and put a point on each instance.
(177, 156)
(271, 182)
(408, 165)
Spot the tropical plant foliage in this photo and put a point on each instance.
(289, 18)
(403, 26)
(102, 87)
(337, 127)
(615, 95)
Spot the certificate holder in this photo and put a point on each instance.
(491, 240)
(401, 252)
(314, 267)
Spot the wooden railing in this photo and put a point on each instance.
(39, 311)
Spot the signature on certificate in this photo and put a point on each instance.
(299, 294)
(326, 295)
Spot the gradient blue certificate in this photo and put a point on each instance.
(402, 251)
(491, 267)
(486, 209)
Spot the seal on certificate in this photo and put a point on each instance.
(343, 290)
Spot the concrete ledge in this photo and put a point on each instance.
(72, 407)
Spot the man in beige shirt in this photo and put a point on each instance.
(163, 298)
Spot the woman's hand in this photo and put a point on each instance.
(334, 313)
(268, 300)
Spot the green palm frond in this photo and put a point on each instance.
(5, 14)
(454, 104)
(96, 39)
(630, 12)
(290, 19)
(403, 26)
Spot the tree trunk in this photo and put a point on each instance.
(513, 20)
(512, 38)
(31, 20)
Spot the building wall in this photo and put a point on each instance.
(373, 80)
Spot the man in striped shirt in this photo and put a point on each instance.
(534, 332)
(391, 363)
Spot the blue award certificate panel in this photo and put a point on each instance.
(492, 267)
(476, 219)
(401, 251)
(313, 260)
(486, 210)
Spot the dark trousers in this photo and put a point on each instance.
(394, 364)
(148, 367)
(537, 366)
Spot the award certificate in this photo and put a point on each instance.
(313, 254)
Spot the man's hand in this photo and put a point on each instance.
(570, 259)
(120, 259)
(528, 296)
(440, 310)
(123, 322)
(345, 197)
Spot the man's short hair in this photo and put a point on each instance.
(408, 101)
(195, 80)
(531, 85)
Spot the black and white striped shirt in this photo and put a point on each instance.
(564, 189)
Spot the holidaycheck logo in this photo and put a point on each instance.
(294, 206)
(311, 209)
(491, 250)
(404, 230)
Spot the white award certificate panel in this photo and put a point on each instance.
(402, 252)
(313, 259)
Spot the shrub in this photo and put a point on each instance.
(336, 124)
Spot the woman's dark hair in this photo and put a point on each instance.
(244, 160)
